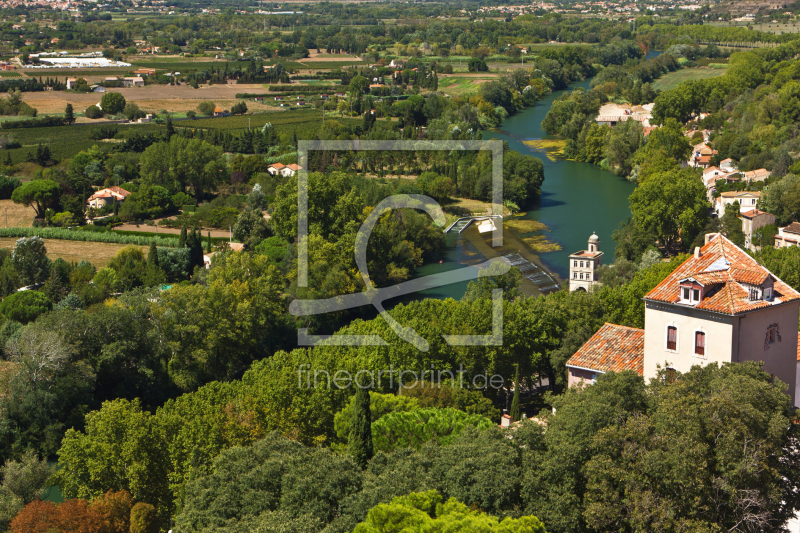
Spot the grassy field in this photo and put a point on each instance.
(15, 215)
(97, 253)
(9, 74)
(673, 79)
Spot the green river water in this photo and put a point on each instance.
(577, 199)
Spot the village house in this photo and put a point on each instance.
(756, 175)
(727, 165)
(788, 236)
(583, 266)
(748, 200)
(701, 156)
(290, 170)
(275, 168)
(719, 306)
(71, 83)
(145, 72)
(752, 221)
(137, 81)
(219, 112)
(108, 196)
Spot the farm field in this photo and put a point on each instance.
(283, 121)
(15, 215)
(459, 84)
(174, 98)
(97, 253)
(673, 79)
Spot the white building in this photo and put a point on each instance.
(748, 200)
(719, 306)
(583, 266)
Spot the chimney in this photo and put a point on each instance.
(697, 252)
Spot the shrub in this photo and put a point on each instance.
(191, 114)
(93, 112)
(206, 108)
(25, 306)
(144, 518)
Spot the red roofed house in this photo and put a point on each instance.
(583, 266)
(275, 168)
(219, 112)
(105, 197)
(719, 306)
(289, 170)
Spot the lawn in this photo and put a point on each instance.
(673, 79)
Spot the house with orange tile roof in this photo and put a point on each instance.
(108, 196)
(583, 266)
(718, 306)
(275, 168)
(290, 170)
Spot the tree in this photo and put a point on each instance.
(183, 163)
(29, 259)
(23, 482)
(515, 412)
(425, 511)
(25, 306)
(403, 429)
(361, 429)
(69, 115)
(251, 228)
(39, 194)
(206, 108)
(670, 140)
(732, 224)
(8, 186)
(359, 85)
(121, 449)
(672, 206)
(144, 519)
(112, 103)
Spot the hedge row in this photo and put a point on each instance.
(46, 122)
(111, 237)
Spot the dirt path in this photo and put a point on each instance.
(169, 231)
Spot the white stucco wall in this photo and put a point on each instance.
(728, 339)
(718, 330)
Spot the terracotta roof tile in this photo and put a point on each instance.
(722, 262)
(794, 227)
(612, 349)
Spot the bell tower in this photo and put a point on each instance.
(584, 264)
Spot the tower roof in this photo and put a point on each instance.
(594, 238)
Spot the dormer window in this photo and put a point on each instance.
(691, 293)
(768, 294)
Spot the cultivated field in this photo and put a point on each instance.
(97, 253)
(173, 98)
(462, 83)
(673, 79)
(15, 215)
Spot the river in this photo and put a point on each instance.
(577, 199)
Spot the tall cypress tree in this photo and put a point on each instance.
(515, 414)
(152, 256)
(182, 240)
(361, 429)
(208, 246)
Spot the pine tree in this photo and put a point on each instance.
(361, 429)
(182, 241)
(515, 413)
